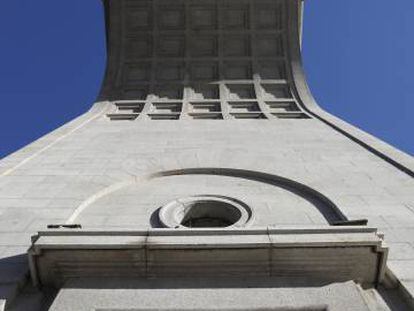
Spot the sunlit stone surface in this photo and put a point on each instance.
(206, 178)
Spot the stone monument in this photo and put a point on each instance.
(206, 177)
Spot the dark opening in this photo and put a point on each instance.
(210, 214)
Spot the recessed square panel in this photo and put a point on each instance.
(170, 107)
(136, 93)
(236, 45)
(122, 116)
(268, 16)
(138, 47)
(204, 91)
(203, 17)
(248, 115)
(203, 107)
(136, 73)
(244, 106)
(206, 116)
(130, 106)
(171, 46)
(269, 45)
(291, 115)
(275, 91)
(170, 71)
(162, 91)
(268, 69)
(204, 46)
(164, 116)
(201, 51)
(236, 18)
(171, 17)
(241, 91)
(282, 106)
(204, 71)
(139, 18)
(234, 70)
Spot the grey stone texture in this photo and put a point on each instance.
(260, 296)
(141, 146)
(321, 255)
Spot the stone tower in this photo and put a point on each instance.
(206, 178)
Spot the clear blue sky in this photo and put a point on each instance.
(358, 55)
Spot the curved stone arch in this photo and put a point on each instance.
(323, 204)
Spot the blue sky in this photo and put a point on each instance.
(358, 57)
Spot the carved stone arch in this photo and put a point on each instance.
(316, 200)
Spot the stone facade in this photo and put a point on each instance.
(206, 178)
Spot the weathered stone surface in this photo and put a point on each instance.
(319, 254)
(216, 295)
(215, 75)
